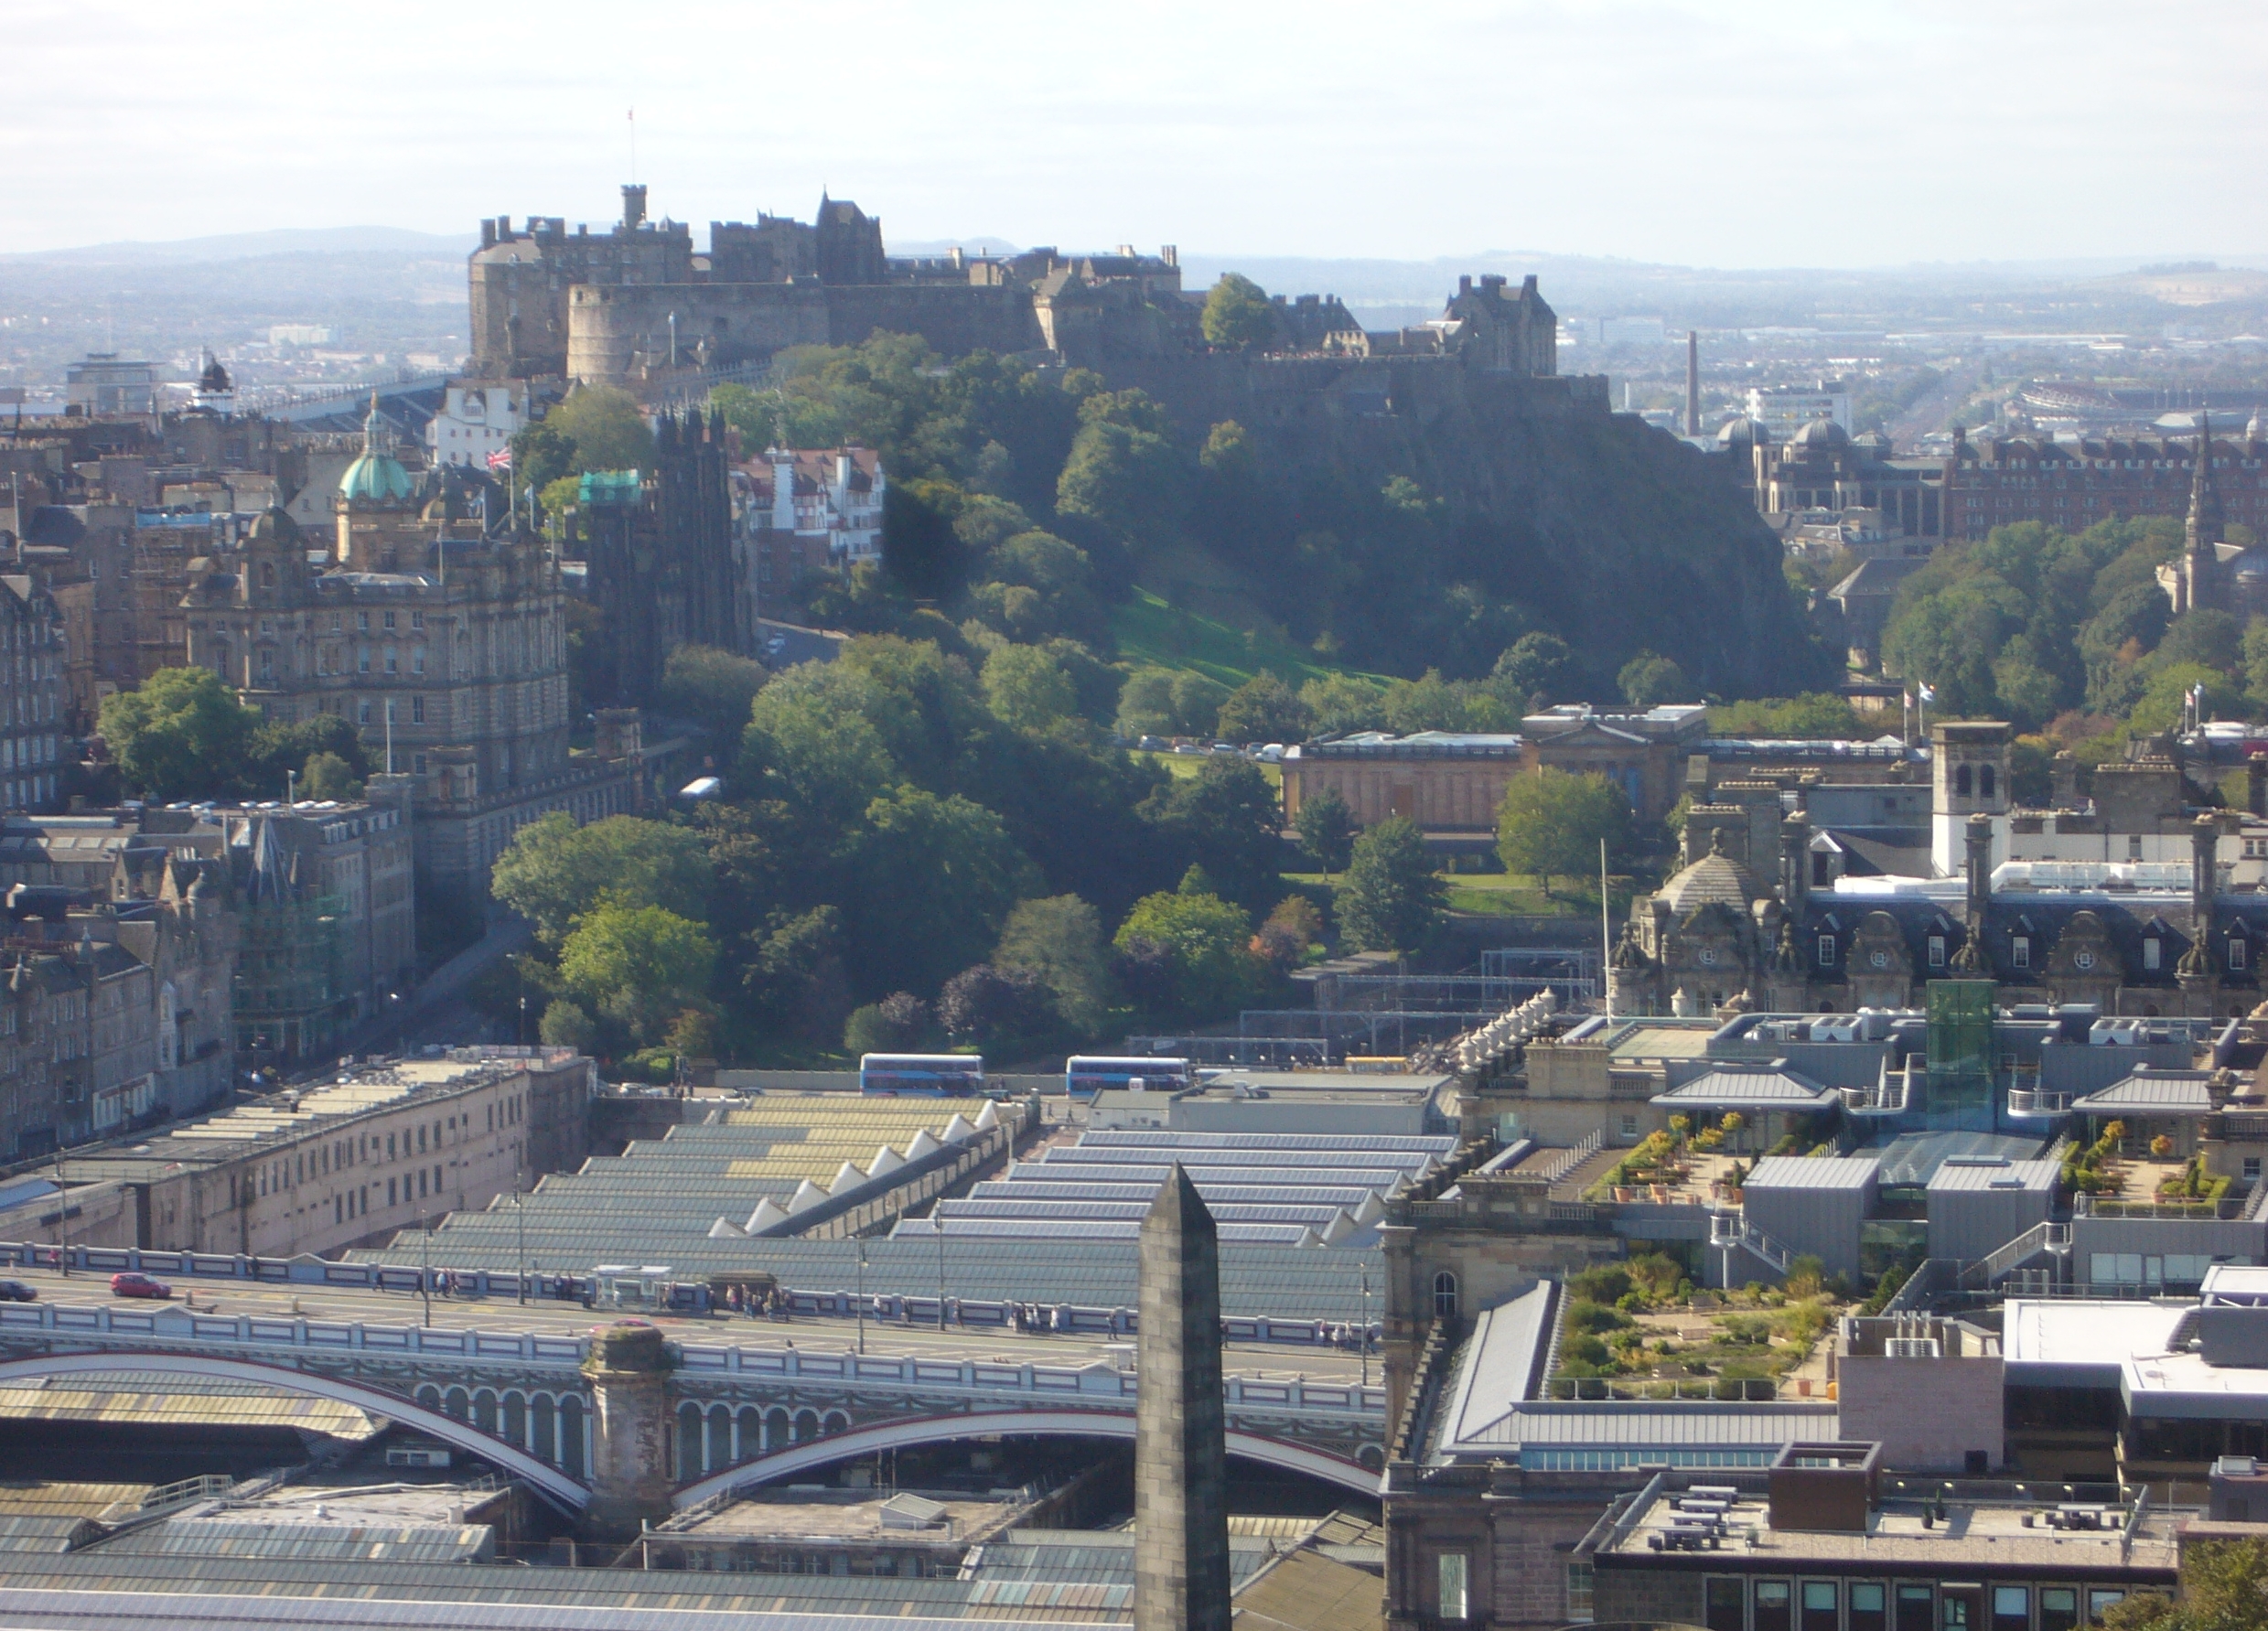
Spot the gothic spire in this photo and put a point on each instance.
(2204, 528)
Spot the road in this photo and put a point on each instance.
(1259, 1362)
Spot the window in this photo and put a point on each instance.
(420, 764)
(391, 1199)
(1962, 782)
(1581, 1591)
(1725, 1610)
(2020, 952)
(2236, 951)
(1916, 1609)
(1954, 1608)
(1444, 1295)
(362, 659)
(389, 619)
(394, 660)
(417, 660)
(1826, 951)
(418, 619)
(1937, 952)
(1453, 1594)
(1867, 1612)
(1985, 780)
(2134, 846)
(362, 711)
(362, 622)
(1771, 1606)
(417, 710)
(2099, 1603)
(1630, 1126)
(1819, 1605)
(2150, 954)
(2251, 1169)
(2059, 1608)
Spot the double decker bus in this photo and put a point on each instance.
(1084, 1075)
(930, 1075)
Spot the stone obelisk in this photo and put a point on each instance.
(1181, 1512)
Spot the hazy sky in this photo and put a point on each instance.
(1732, 133)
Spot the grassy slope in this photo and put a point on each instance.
(1151, 633)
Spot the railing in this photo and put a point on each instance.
(1556, 1166)
(2195, 1211)
(174, 1329)
(2034, 1101)
(1994, 1265)
(1728, 1230)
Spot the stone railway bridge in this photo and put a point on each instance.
(620, 1424)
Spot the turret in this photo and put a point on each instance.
(1795, 861)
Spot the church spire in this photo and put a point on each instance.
(2204, 528)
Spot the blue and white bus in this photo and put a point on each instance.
(927, 1075)
(1084, 1077)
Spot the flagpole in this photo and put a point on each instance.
(1605, 936)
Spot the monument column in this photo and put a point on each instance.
(1182, 1513)
(629, 1369)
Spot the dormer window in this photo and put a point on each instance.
(2151, 954)
(1826, 951)
(2020, 952)
(1937, 952)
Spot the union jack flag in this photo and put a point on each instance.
(500, 459)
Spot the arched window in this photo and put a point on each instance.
(571, 1435)
(430, 1397)
(751, 1432)
(836, 1422)
(776, 1432)
(543, 1418)
(1960, 781)
(515, 1421)
(484, 1410)
(720, 1444)
(689, 1466)
(806, 1426)
(1985, 781)
(1444, 1295)
(457, 1403)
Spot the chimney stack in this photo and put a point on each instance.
(1692, 381)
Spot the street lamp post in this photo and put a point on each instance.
(425, 1271)
(941, 1274)
(861, 1292)
(520, 1216)
(1363, 1336)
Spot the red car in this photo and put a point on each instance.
(139, 1285)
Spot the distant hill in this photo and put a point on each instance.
(245, 246)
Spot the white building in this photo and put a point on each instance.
(475, 420)
(812, 508)
(1787, 409)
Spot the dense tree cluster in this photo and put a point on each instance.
(183, 734)
(923, 844)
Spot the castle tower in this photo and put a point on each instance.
(1969, 771)
(1181, 1515)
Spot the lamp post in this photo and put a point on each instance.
(940, 1273)
(861, 1292)
(1363, 1336)
(520, 1216)
(425, 1271)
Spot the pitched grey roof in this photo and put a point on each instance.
(1768, 1087)
(1812, 1172)
(2148, 1092)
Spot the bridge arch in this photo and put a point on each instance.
(802, 1456)
(463, 1436)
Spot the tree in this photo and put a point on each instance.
(1265, 708)
(568, 1025)
(1198, 701)
(811, 740)
(278, 748)
(181, 735)
(1392, 900)
(1340, 702)
(1326, 828)
(553, 872)
(1189, 953)
(1146, 704)
(1028, 689)
(1229, 819)
(900, 1023)
(1237, 315)
(1531, 666)
(327, 776)
(988, 1005)
(1648, 681)
(933, 880)
(542, 454)
(795, 974)
(607, 426)
(713, 688)
(1282, 941)
(1551, 823)
(1060, 939)
(638, 966)
(1124, 473)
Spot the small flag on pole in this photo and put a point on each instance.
(500, 459)
(1928, 695)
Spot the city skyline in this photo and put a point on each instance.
(1656, 130)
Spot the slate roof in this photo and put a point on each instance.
(1765, 1087)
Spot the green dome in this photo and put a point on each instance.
(375, 475)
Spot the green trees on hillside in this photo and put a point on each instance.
(606, 427)
(181, 734)
(1392, 900)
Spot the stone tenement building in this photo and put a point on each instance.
(809, 510)
(660, 549)
(337, 1165)
(115, 1002)
(32, 728)
(443, 642)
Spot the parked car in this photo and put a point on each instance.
(16, 1291)
(139, 1285)
(1155, 744)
